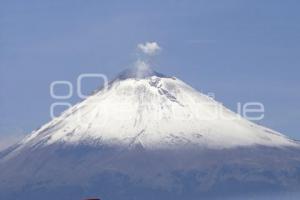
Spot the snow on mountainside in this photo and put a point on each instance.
(147, 108)
(148, 136)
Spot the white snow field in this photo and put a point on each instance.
(149, 136)
(156, 112)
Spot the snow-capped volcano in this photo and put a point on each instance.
(144, 134)
(147, 108)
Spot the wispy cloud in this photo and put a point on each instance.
(149, 48)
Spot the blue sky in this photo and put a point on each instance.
(240, 50)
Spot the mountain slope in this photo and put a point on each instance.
(157, 112)
(145, 134)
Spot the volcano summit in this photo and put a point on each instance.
(149, 136)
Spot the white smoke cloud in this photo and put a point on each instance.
(149, 48)
(142, 68)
